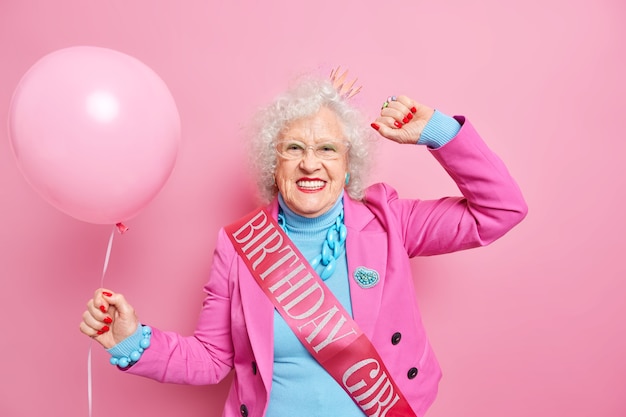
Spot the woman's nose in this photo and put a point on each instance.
(309, 159)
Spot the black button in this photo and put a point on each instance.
(395, 339)
(244, 410)
(412, 373)
(254, 367)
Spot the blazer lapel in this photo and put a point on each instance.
(258, 313)
(366, 249)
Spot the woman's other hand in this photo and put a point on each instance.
(402, 119)
(109, 318)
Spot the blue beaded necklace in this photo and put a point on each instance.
(332, 248)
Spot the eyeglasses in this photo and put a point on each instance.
(293, 149)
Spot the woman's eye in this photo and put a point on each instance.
(327, 148)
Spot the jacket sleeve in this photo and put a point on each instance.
(491, 202)
(207, 356)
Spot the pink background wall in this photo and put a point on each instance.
(532, 325)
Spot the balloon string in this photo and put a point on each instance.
(121, 228)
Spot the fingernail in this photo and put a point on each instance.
(108, 320)
(405, 120)
(397, 124)
(409, 116)
(413, 109)
(103, 309)
(108, 294)
(375, 126)
(100, 332)
(105, 329)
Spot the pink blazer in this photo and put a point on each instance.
(235, 327)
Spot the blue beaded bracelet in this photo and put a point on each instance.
(135, 355)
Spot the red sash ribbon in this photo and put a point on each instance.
(316, 317)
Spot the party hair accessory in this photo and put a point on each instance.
(345, 88)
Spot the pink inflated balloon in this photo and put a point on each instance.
(95, 131)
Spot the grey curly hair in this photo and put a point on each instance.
(303, 99)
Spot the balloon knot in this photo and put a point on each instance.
(121, 228)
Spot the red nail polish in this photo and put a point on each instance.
(108, 294)
(405, 120)
(103, 309)
(105, 329)
(397, 124)
(413, 109)
(375, 126)
(108, 320)
(409, 116)
(100, 332)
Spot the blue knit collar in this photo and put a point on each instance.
(298, 223)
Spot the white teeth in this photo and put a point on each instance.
(310, 184)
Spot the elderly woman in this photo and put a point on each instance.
(310, 299)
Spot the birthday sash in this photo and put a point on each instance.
(316, 317)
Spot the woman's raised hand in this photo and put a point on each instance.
(109, 318)
(402, 119)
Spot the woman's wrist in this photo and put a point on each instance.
(439, 130)
(129, 350)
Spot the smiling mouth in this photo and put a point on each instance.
(311, 185)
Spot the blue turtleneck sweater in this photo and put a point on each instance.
(300, 386)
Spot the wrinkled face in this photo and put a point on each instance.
(310, 184)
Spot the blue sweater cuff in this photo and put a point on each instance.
(128, 345)
(439, 130)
